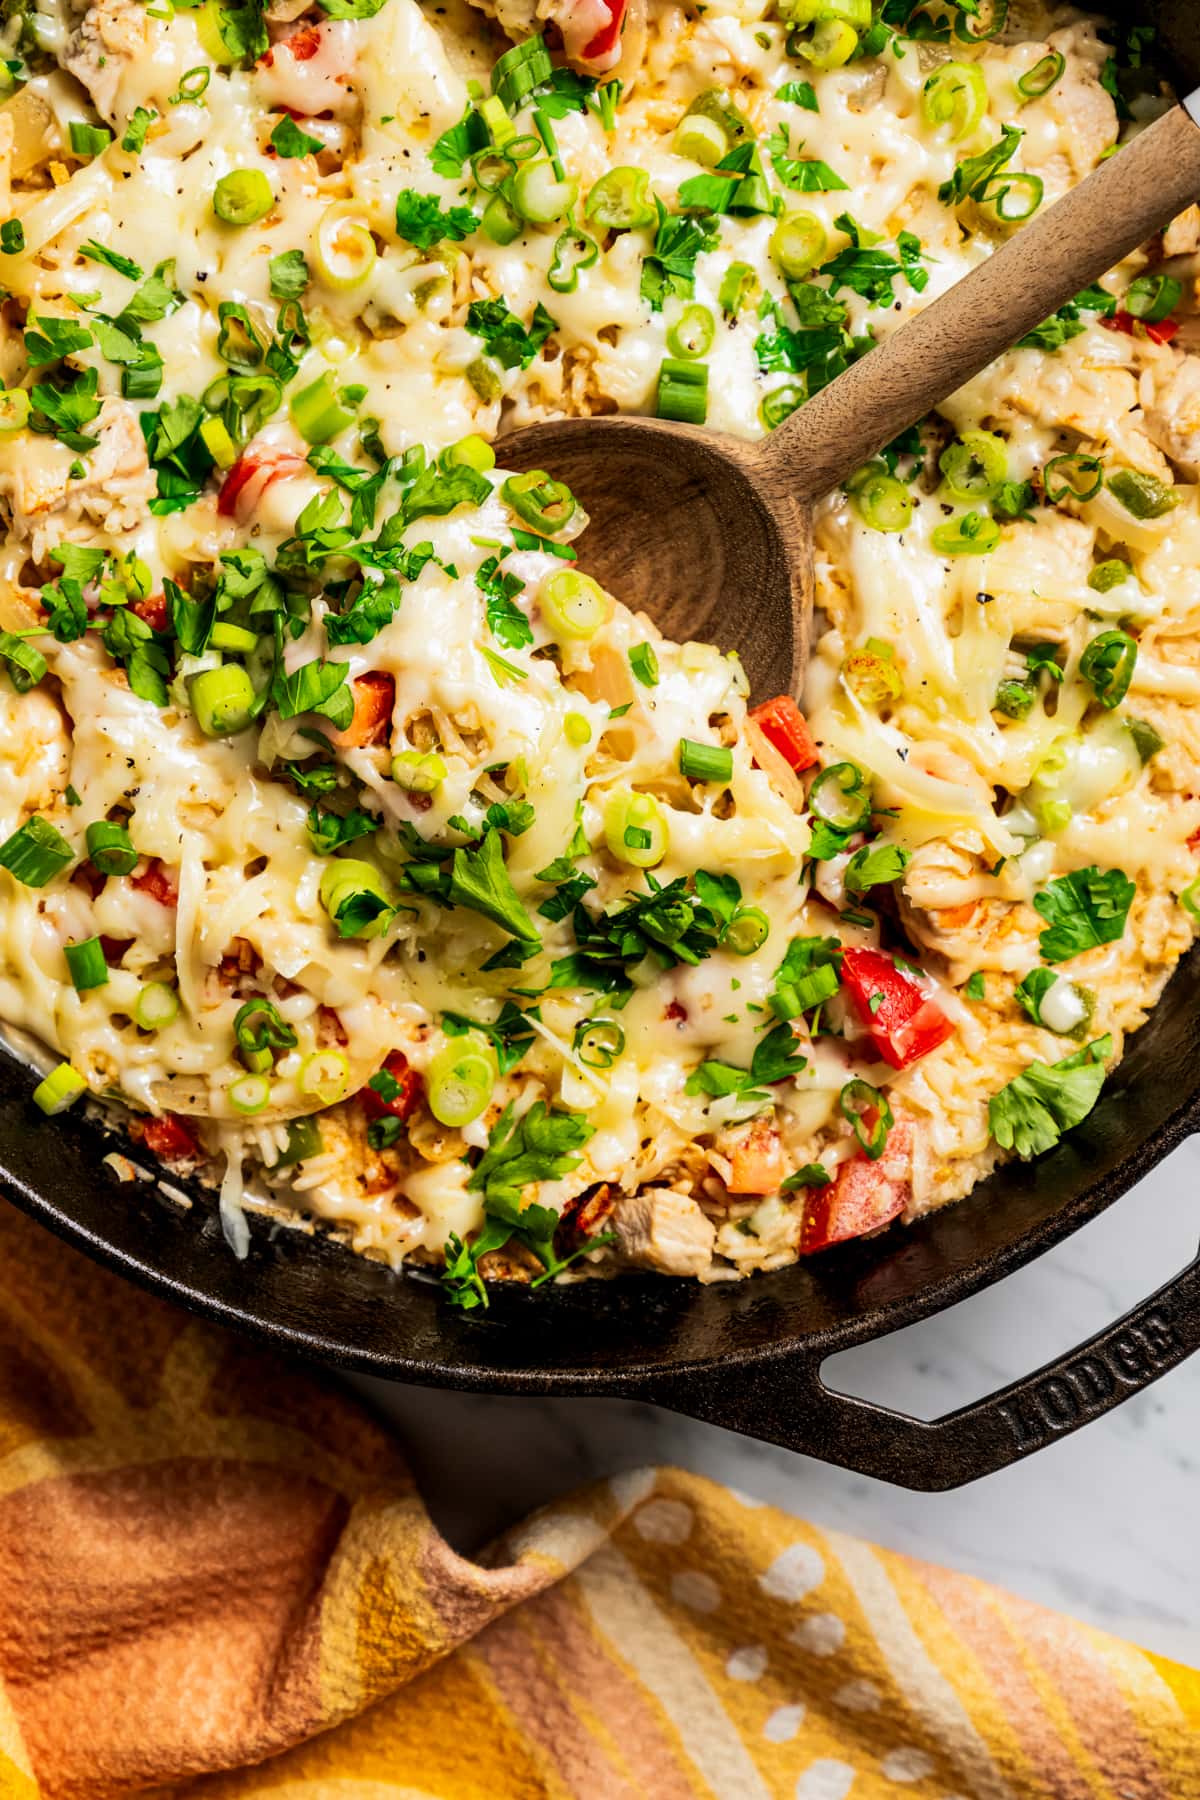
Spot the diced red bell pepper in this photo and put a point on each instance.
(902, 1024)
(758, 1161)
(403, 1104)
(608, 36)
(374, 701)
(302, 45)
(1161, 333)
(786, 729)
(270, 464)
(863, 1197)
(152, 611)
(155, 881)
(168, 1138)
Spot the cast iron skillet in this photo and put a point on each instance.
(745, 1355)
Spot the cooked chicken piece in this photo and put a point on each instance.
(663, 1230)
(114, 491)
(1182, 236)
(110, 35)
(1173, 421)
(1086, 113)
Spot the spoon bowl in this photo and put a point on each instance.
(712, 536)
(684, 524)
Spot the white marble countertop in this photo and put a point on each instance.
(1102, 1524)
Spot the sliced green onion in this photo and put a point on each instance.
(577, 730)
(14, 409)
(1189, 900)
(1152, 298)
(974, 534)
(460, 1081)
(1108, 664)
(1044, 75)
(976, 467)
(739, 285)
(208, 19)
(501, 221)
(192, 83)
(500, 127)
(955, 95)
(573, 250)
(541, 195)
(692, 333)
(492, 167)
(525, 67)
(418, 771)
(1054, 816)
(303, 1141)
(222, 699)
(35, 853)
(86, 965)
(1014, 195)
(840, 796)
(620, 201)
(871, 673)
(1074, 477)
(803, 992)
(598, 1043)
(573, 605)
(1146, 740)
(882, 502)
(260, 1031)
(682, 391)
(88, 140)
(747, 931)
(702, 139)
(343, 247)
(546, 505)
(644, 664)
(218, 443)
(356, 898)
(705, 762)
(249, 1094)
(781, 403)
(157, 1005)
(61, 1088)
(1145, 496)
(317, 413)
(472, 452)
(243, 197)
(832, 44)
(1015, 699)
(110, 848)
(635, 829)
(798, 244)
(1108, 575)
(233, 637)
(858, 1101)
(324, 1077)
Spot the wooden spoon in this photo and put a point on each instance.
(712, 535)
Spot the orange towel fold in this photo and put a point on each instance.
(217, 1578)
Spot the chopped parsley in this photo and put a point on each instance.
(1046, 1099)
(512, 344)
(420, 220)
(1082, 910)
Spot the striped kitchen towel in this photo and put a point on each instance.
(217, 1580)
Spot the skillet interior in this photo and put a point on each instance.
(313, 1298)
(637, 1334)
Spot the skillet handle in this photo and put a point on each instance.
(786, 1402)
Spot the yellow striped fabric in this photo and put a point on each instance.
(218, 1581)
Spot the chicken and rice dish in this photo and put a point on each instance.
(377, 865)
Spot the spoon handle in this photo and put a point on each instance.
(1046, 263)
